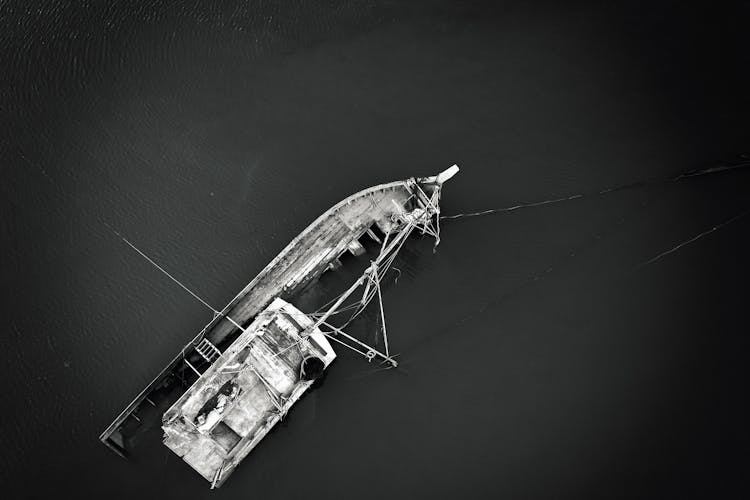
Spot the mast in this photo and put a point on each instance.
(420, 217)
(368, 272)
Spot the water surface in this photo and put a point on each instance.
(536, 361)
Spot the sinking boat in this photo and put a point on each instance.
(223, 392)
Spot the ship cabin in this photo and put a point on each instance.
(246, 391)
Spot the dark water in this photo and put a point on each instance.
(536, 361)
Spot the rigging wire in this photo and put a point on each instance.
(149, 259)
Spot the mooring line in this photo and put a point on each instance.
(514, 207)
(744, 163)
(693, 239)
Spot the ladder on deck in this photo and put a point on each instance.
(209, 351)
